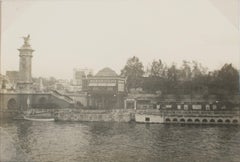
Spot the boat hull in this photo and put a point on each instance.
(144, 118)
(39, 119)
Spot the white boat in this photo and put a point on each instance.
(38, 119)
(145, 118)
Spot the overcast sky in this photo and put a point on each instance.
(69, 34)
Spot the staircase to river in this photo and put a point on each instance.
(62, 97)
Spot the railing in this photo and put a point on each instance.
(200, 113)
(61, 96)
(10, 111)
(96, 111)
(188, 112)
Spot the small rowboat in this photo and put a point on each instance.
(38, 119)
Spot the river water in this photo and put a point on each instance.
(91, 141)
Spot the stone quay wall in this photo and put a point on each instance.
(119, 115)
(127, 115)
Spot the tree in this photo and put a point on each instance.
(198, 69)
(133, 70)
(155, 81)
(172, 79)
(186, 71)
(224, 81)
(157, 69)
(199, 78)
(228, 76)
(172, 74)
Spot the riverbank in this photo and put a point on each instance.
(117, 115)
(141, 116)
(144, 116)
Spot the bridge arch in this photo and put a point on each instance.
(12, 104)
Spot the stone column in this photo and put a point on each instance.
(135, 104)
(25, 67)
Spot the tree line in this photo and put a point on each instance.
(190, 78)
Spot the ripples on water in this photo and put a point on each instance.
(73, 141)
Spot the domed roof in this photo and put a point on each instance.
(106, 72)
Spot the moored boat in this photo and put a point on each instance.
(32, 118)
(145, 118)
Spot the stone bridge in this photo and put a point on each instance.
(20, 101)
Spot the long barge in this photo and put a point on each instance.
(188, 117)
(165, 115)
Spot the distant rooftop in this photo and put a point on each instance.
(106, 72)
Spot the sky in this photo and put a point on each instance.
(68, 34)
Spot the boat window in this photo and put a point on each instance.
(197, 120)
(212, 120)
(204, 120)
(168, 120)
(182, 120)
(227, 121)
(220, 121)
(147, 119)
(235, 121)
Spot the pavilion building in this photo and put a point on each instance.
(106, 90)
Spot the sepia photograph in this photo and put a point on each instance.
(119, 80)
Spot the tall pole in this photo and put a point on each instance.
(0, 38)
(238, 23)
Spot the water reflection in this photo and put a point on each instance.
(74, 141)
(24, 132)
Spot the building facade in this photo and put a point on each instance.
(78, 76)
(106, 90)
(13, 77)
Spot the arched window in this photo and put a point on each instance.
(189, 120)
(175, 120)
